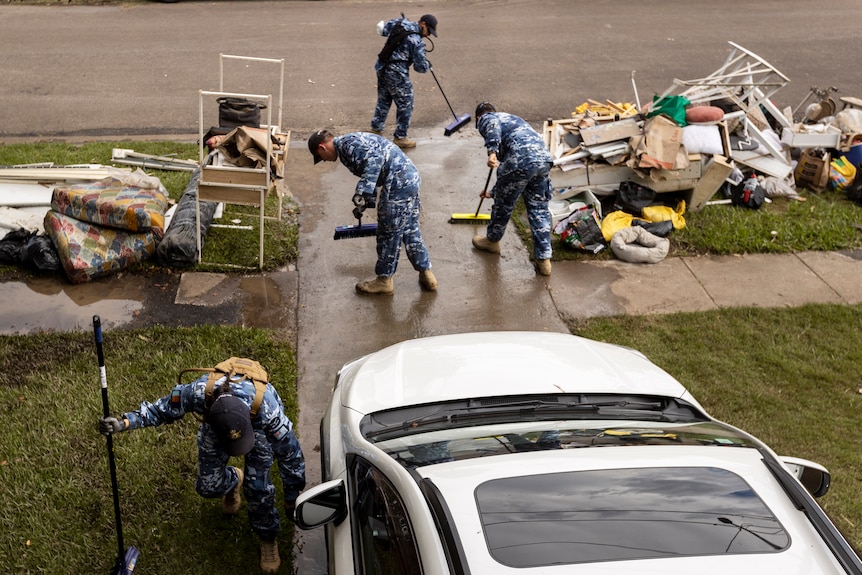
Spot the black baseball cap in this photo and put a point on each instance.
(315, 140)
(430, 21)
(230, 418)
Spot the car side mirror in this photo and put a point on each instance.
(813, 476)
(322, 504)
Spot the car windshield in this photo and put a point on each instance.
(413, 419)
(498, 439)
(623, 514)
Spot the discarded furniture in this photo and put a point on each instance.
(248, 185)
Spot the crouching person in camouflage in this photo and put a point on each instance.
(241, 414)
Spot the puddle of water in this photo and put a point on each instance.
(46, 304)
(263, 307)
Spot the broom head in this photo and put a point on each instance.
(478, 219)
(455, 125)
(356, 231)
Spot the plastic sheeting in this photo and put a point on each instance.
(178, 247)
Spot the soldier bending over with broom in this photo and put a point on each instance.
(523, 164)
(379, 162)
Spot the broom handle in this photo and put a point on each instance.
(451, 109)
(482, 199)
(97, 330)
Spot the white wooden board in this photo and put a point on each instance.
(20, 195)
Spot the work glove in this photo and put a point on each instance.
(364, 201)
(110, 425)
(380, 26)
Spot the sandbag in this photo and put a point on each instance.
(637, 245)
(178, 247)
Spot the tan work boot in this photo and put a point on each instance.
(543, 267)
(269, 558)
(427, 280)
(378, 132)
(230, 503)
(481, 243)
(378, 286)
(404, 143)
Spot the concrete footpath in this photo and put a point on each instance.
(582, 290)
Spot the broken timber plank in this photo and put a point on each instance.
(621, 130)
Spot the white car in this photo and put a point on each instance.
(526, 453)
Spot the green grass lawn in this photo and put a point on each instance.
(57, 515)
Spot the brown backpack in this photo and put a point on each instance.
(236, 369)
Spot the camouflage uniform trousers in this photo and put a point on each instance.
(393, 85)
(397, 224)
(533, 183)
(215, 479)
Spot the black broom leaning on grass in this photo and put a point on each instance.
(126, 558)
(476, 218)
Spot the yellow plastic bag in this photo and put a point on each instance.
(614, 222)
(841, 173)
(662, 213)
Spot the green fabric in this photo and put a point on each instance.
(671, 106)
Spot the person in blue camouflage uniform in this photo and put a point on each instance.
(380, 164)
(393, 75)
(523, 163)
(269, 434)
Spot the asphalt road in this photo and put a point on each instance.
(132, 71)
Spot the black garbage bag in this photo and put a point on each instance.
(632, 198)
(41, 255)
(12, 245)
(661, 229)
(178, 247)
(27, 249)
(748, 194)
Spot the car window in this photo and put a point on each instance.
(621, 514)
(385, 537)
(457, 444)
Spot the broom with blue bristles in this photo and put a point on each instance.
(358, 231)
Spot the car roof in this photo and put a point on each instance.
(504, 363)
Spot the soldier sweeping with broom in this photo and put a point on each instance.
(241, 415)
(379, 162)
(523, 165)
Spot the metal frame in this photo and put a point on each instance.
(745, 78)
(280, 62)
(228, 191)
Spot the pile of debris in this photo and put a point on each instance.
(88, 221)
(717, 135)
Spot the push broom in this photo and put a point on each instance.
(357, 231)
(476, 218)
(459, 121)
(126, 558)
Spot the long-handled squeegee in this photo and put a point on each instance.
(460, 121)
